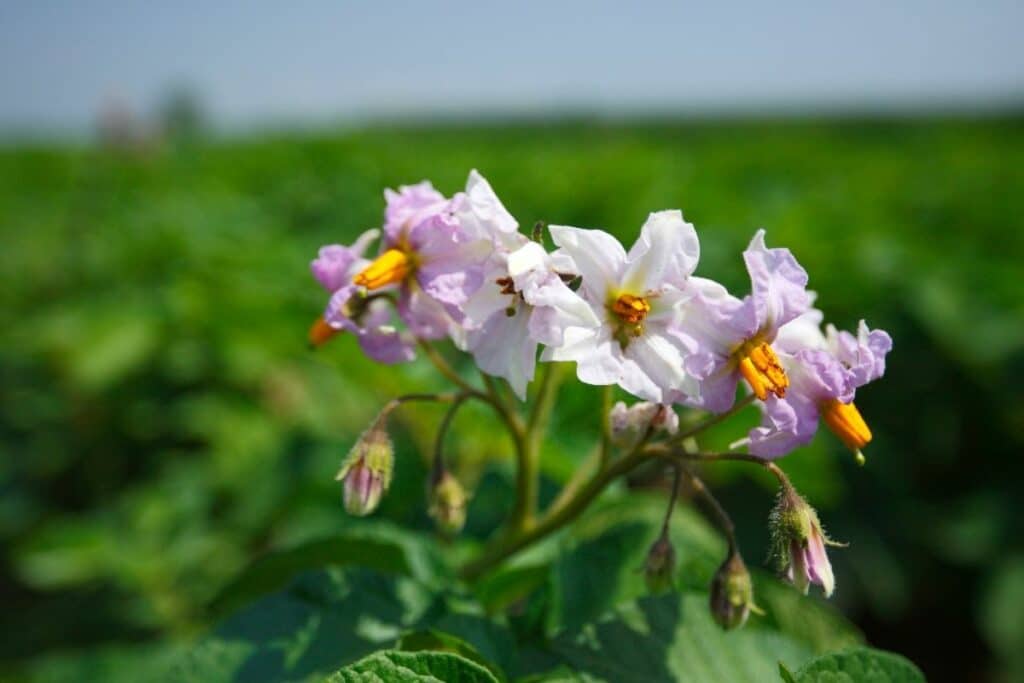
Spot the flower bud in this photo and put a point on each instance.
(366, 472)
(799, 543)
(629, 425)
(660, 566)
(448, 503)
(732, 593)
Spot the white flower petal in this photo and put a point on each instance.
(594, 353)
(598, 256)
(481, 214)
(502, 347)
(662, 361)
(528, 259)
(666, 253)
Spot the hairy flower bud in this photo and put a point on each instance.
(366, 472)
(732, 593)
(660, 566)
(629, 425)
(799, 543)
(448, 503)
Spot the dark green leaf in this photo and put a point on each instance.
(859, 665)
(673, 638)
(434, 640)
(393, 553)
(320, 622)
(413, 667)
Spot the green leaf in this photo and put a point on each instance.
(438, 641)
(859, 665)
(391, 553)
(602, 570)
(805, 618)
(673, 638)
(786, 674)
(413, 667)
(509, 584)
(1001, 608)
(321, 621)
(602, 567)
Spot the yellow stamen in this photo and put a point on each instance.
(846, 422)
(763, 372)
(390, 267)
(320, 332)
(631, 309)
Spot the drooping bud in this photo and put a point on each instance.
(660, 566)
(799, 542)
(732, 593)
(366, 472)
(447, 503)
(629, 425)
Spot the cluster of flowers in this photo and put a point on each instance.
(459, 268)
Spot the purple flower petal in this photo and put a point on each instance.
(779, 285)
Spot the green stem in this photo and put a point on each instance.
(594, 461)
(676, 471)
(437, 468)
(445, 369)
(715, 419)
(721, 516)
(526, 492)
(554, 520)
(550, 379)
(439, 398)
(606, 431)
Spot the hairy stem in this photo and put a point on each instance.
(554, 520)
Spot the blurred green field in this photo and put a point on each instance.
(163, 423)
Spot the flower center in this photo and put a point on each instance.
(390, 267)
(846, 422)
(506, 284)
(508, 288)
(631, 309)
(761, 368)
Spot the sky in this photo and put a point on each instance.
(315, 61)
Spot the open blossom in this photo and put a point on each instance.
(523, 302)
(368, 318)
(825, 372)
(732, 338)
(635, 298)
(433, 261)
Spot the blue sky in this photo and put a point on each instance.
(316, 61)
